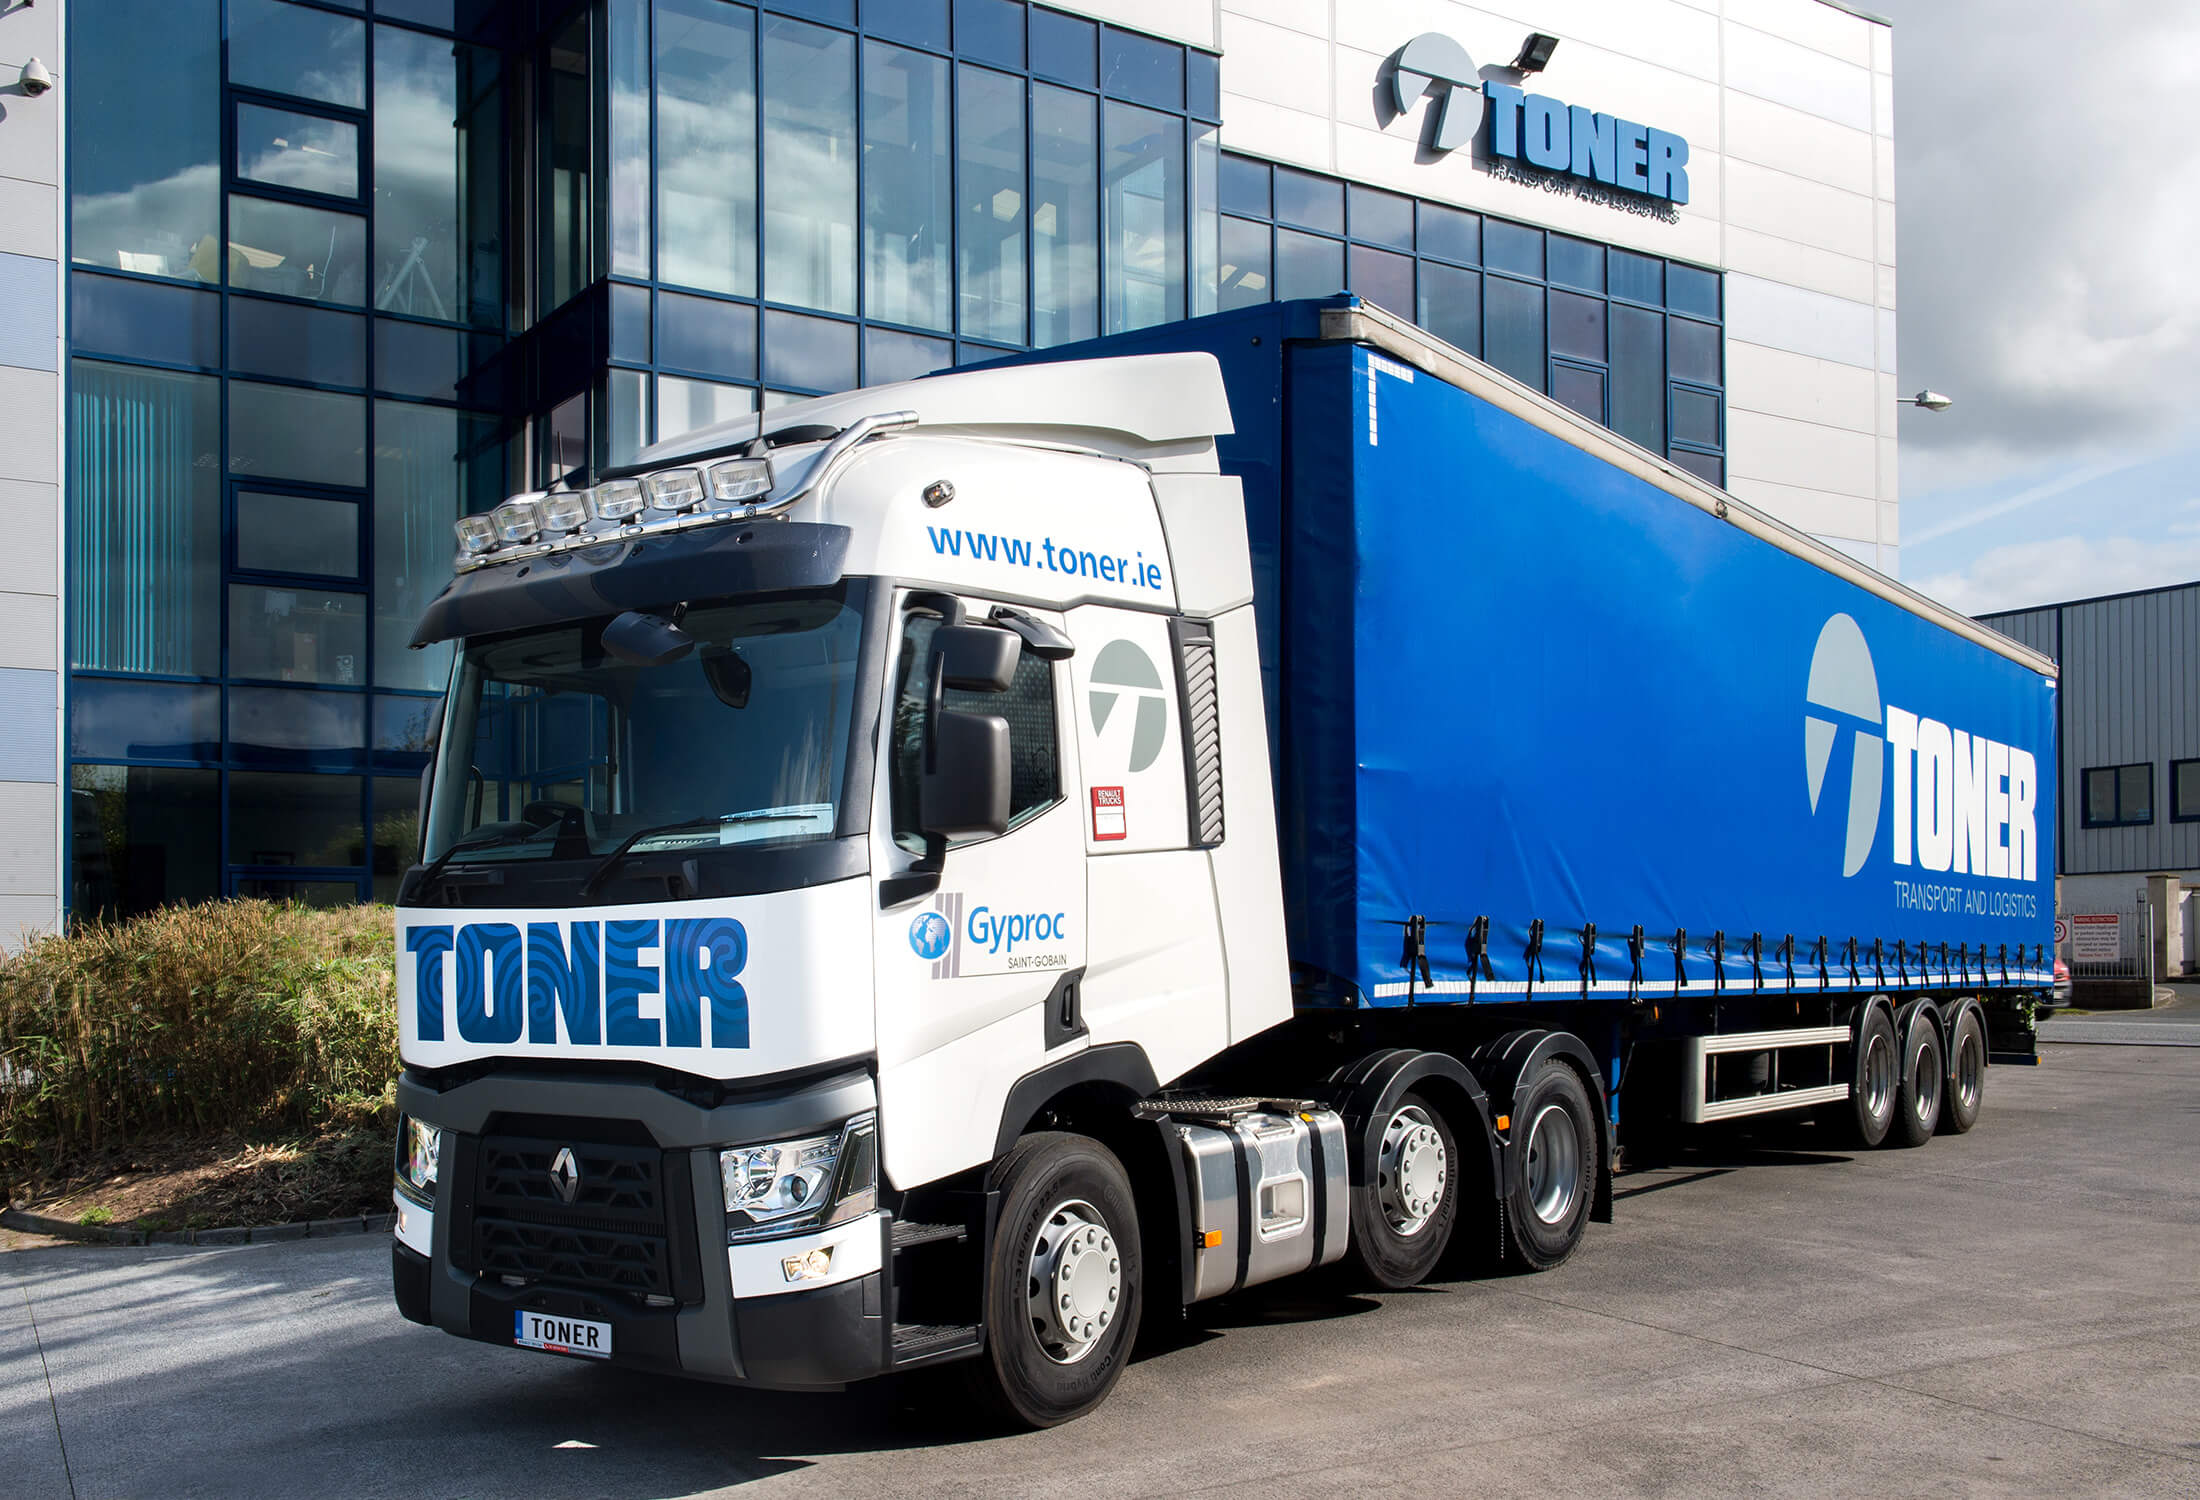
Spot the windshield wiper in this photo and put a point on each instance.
(626, 845)
(434, 872)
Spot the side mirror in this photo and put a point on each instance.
(642, 640)
(964, 791)
(976, 658)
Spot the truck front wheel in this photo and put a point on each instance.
(1402, 1217)
(1063, 1283)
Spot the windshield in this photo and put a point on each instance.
(554, 749)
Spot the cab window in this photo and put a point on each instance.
(1035, 766)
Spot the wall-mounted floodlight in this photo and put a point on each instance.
(1535, 52)
(1930, 400)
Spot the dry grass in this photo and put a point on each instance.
(237, 1019)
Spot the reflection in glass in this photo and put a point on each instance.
(815, 352)
(413, 360)
(324, 894)
(567, 201)
(888, 355)
(907, 205)
(629, 46)
(1384, 218)
(684, 406)
(561, 440)
(285, 148)
(141, 837)
(144, 119)
(1451, 305)
(1206, 231)
(706, 335)
(1513, 328)
(437, 135)
(288, 818)
(297, 635)
(1382, 278)
(1142, 68)
(175, 325)
(1451, 233)
(991, 31)
(625, 416)
(144, 520)
(297, 343)
(1245, 272)
(809, 166)
(396, 825)
(1245, 187)
(1063, 47)
(293, 250)
(288, 49)
(1308, 201)
(1065, 216)
(1145, 217)
(403, 732)
(989, 150)
(1307, 265)
(297, 534)
(431, 465)
(921, 23)
(1638, 372)
(296, 726)
(278, 432)
(706, 145)
(113, 718)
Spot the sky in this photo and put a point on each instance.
(2047, 282)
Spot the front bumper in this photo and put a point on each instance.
(745, 1320)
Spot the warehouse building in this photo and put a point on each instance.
(288, 285)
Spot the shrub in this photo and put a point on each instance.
(234, 1016)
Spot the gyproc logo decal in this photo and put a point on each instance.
(1123, 668)
(1845, 686)
(929, 934)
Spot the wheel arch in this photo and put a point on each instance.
(1370, 1087)
(1512, 1057)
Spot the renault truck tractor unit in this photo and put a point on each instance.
(947, 872)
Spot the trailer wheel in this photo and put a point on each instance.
(1874, 1083)
(1966, 1096)
(1555, 1136)
(1402, 1217)
(1924, 1080)
(1063, 1283)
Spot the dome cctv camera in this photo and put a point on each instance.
(36, 80)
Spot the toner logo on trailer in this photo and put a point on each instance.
(1964, 804)
(585, 984)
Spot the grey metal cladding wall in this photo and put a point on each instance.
(2032, 627)
(2129, 696)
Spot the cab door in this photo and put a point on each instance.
(966, 972)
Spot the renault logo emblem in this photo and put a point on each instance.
(565, 1174)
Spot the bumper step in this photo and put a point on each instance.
(918, 1342)
(908, 1233)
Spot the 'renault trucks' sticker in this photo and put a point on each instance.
(1108, 820)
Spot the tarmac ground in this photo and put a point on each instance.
(2013, 1311)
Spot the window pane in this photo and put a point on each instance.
(293, 150)
(629, 322)
(1063, 47)
(116, 720)
(1695, 350)
(831, 12)
(1308, 201)
(279, 818)
(1692, 291)
(325, 894)
(683, 406)
(561, 440)
(297, 534)
(396, 831)
(144, 498)
(145, 130)
(295, 726)
(1307, 265)
(1141, 68)
(2100, 795)
(292, 250)
(624, 409)
(1383, 278)
(1383, 218)
(566, 215)
(412, 360)
(1203, 84)
(809, 166)
(1206, 228)
(1577, 325)
(277, 432)
(1696, 418)
(1145, 215)
(888, 355)
(1512, 247)
(921, 23)
(1246, 278)
(706, 145)
(2135, 793)
(144, 320)
(1065, 220)
(288, 49)
(438, 136)
(1245, 187)
(1708, 467)
(141, 837)
(712, 338)
(297, 635)
(1580, 388)
(989, 150)
(1577, 263)
(1638, 376)
(990, 31)
(1028, 705)
(815, 352)
(403, 730)
(297, 343)
(628, 28)
(1451, 306)
(1514, 329)
(1640, 277)
(431, 465)
(907, 201)
(2185, 789)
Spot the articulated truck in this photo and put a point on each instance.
(951, 872)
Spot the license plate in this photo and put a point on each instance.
(532, 1330)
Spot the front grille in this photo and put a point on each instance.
(615, 1236)
(633, 1263)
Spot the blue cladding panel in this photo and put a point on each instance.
(27, 750)
(27, 311)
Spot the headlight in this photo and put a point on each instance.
(419, 1151)
(785, 1186)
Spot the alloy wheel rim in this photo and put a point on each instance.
(1412, 1171)
(1554, 1163)
(1073, 1281)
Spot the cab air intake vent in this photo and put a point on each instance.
(1195, 652)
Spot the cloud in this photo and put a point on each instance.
(2045, 229)
(2062, 568)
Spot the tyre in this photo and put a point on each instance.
(1874, 1083)
(1556, 1142)
(1924, 1076)
(1966, 1096)
(1402, 1217)
(1063, 1283)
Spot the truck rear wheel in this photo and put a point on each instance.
(1966, 1095)
(1874, 1083)
(1402, 1216)
(1063, 1283)
(1555, 1126)
(1918, 1102)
